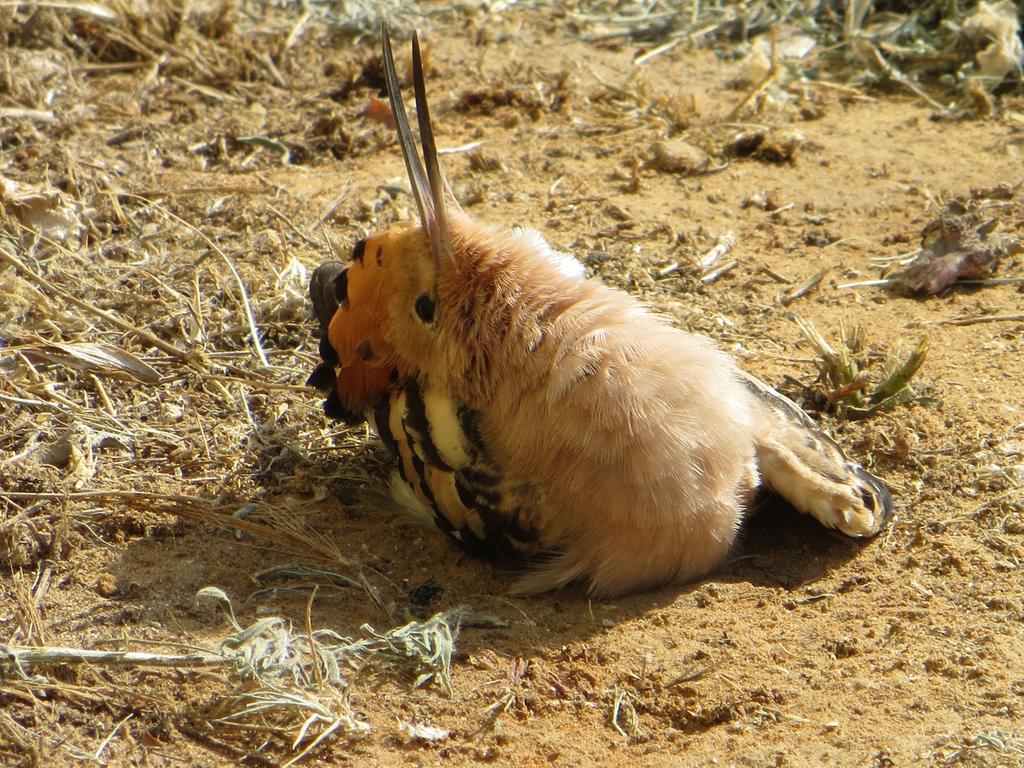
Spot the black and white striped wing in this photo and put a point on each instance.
(443, 461)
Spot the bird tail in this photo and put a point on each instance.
(806, 467)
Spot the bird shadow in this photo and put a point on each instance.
(779, 547)
(412, 571)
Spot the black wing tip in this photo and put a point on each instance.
(884, 497)
(875, 496)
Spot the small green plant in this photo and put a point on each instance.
(849, 388)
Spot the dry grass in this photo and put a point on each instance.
(848, 386)
(154, 343)
(284, 682)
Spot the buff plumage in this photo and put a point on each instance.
(538, 414)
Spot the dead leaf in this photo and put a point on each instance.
(959, 245)
(996, 26)
(41, 208)
(95, 357)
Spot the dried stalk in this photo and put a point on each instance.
(20, 656)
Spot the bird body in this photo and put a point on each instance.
(540, 414)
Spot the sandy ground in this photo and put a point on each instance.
(807, 649)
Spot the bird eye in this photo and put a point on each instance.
(425, 308)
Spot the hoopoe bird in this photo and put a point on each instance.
(541, 415)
